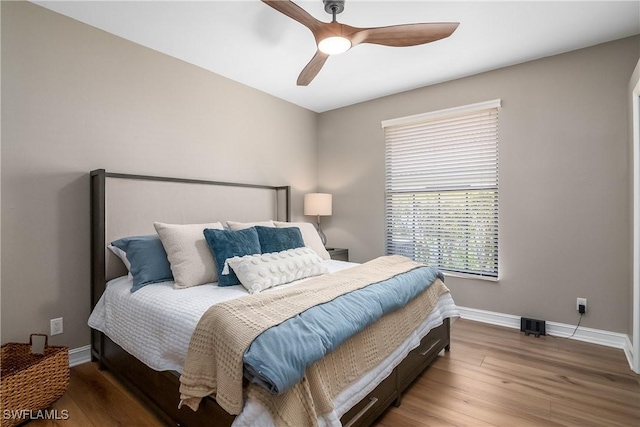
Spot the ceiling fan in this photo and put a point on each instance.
(333, 37)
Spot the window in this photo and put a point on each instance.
(441, 188)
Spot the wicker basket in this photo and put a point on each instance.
(31, 382)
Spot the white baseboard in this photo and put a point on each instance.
(563, 330)
(80, 355)
(628, 351)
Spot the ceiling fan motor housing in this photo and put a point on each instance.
(333, 6)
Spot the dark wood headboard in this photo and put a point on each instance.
(139, 200)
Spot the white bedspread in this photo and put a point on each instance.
(155, 325)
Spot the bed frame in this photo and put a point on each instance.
(160, 390)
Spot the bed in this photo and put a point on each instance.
(122, 205)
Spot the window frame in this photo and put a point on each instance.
(423, 208)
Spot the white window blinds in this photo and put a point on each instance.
(441, 188)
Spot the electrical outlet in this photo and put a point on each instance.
(581, 301)
(56, 326)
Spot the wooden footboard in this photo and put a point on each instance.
(160, 390)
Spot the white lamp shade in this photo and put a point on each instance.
(317, 204)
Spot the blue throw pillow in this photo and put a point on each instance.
(149, 263)
(225, 244)
(279, 239)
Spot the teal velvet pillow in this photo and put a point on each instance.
(279, 239)
(149, 263)
(225, 244)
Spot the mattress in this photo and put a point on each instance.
(155, 325)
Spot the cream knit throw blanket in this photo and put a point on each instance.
(214, 361)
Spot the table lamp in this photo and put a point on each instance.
(318, 204)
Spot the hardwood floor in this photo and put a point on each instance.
(492, 376)
(96, 398)
(495, 376)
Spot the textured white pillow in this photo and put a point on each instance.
(235, 226)
(263, 271)
(309, 235)
(191, 260)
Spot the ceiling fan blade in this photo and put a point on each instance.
(294, 12)
(312, 69)
(404, 35)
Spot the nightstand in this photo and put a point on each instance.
(339, 254)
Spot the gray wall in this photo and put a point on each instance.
(74, 99)
(0, 165)
(564, 182)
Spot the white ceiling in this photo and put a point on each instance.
(249, 42)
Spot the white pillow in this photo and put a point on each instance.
(191, 260)
(235, 226)
(263, 271)
(309, 235)
(120, 254)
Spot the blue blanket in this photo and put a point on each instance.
(278, 358)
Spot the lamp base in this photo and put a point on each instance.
(323, 238)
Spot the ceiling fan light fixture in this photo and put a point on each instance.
(334, 45)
